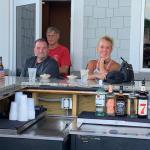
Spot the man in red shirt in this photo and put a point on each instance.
(59, 52)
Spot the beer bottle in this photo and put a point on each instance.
(120, 103)
(110, 102)
(132, 106)
(142, 102)
(1, 64)
(132, 103)
(100, 102)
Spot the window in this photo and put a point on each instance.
(146, 41)
(25, 34)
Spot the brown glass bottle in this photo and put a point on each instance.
(132, 106)
(1, 64)
(110, 102)
(120, 103)
(142, 102)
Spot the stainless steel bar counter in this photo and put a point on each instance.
(47, 133)
(13, 83)
(48, 128)
(54, 132)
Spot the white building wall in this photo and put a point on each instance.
(106, 17)
(91, 19)
(4, 31)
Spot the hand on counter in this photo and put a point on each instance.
(2, 74)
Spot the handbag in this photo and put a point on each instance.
(114, 77)
(125, 74)
(127, 71)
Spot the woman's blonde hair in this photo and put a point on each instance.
(107, 38)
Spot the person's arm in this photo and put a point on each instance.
(91, 66)
(65, 61)
(55, 70)
(2, 74)
(64, 69)
(102, 70)
(51, 68)
(100, 76)
(114, 66)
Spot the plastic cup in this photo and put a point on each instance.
(18, 97)
(84, 75)
(13, 111)
(32, 74)
(31, 109)
(23, 109)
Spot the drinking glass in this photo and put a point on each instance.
(32, 74)
(84, 75)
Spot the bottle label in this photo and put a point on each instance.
(100, 100)
(142, 107)
(99, 109)
(132, 106)
(143, 88)
(120, 108)
(110, 106)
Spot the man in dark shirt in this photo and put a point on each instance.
(41, 61)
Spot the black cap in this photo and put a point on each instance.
(143, 82)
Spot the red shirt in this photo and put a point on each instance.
(61, 55)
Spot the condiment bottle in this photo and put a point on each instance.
(110, 102)
(143, 102)
(132, 106)
(1, 64)
(120, 103)
(100, 102)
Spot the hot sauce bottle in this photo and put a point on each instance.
(142, 102)
(110, 102)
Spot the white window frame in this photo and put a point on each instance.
(142, 39)
(77, 19)
(38, 28)
(137, 35)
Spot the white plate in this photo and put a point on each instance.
(72, 77)
(45, 76)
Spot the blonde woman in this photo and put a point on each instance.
(104, 64)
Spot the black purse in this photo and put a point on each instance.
(125, 74)
(127, 71)
(114, 77)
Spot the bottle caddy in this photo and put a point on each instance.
(120, 104)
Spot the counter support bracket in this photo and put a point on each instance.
(75, 104)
